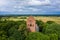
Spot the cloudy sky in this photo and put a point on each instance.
(29, 7)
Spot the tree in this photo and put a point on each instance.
(50, 22)
(11, 38)
(52, 29)
(37, 36)
(53, 36)
(40, 25)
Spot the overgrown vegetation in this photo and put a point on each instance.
(16, 30)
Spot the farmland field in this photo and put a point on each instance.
(42, 18)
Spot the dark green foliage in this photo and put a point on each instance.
(9, 30)
(40, 25)
(16, 30)
(53, 36)
(37, 36)
(23, 17)
(52, 29)
(50, 22)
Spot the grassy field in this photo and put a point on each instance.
(42, 18)
(45, 19)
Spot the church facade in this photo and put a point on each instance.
(31, 24)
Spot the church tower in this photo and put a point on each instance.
(31, 24)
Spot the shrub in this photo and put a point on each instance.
(50, 22)
(51, 29)
(37, 36)
(40, 25)
(53, 36)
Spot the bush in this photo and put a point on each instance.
(50, 22)
(9, 30)
(37, 36)
(40, 25)
(53, 36)
(51, 29)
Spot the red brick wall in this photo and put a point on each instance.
(31, 24)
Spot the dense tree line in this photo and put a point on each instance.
(16, 30)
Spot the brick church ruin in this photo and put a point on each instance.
(31, 24)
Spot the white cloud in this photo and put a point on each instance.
(34, 9)
(20, 10)
(29, 5)
(3, 2)
(37, 2)
(14, 5)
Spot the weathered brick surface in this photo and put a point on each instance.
(31, 24)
